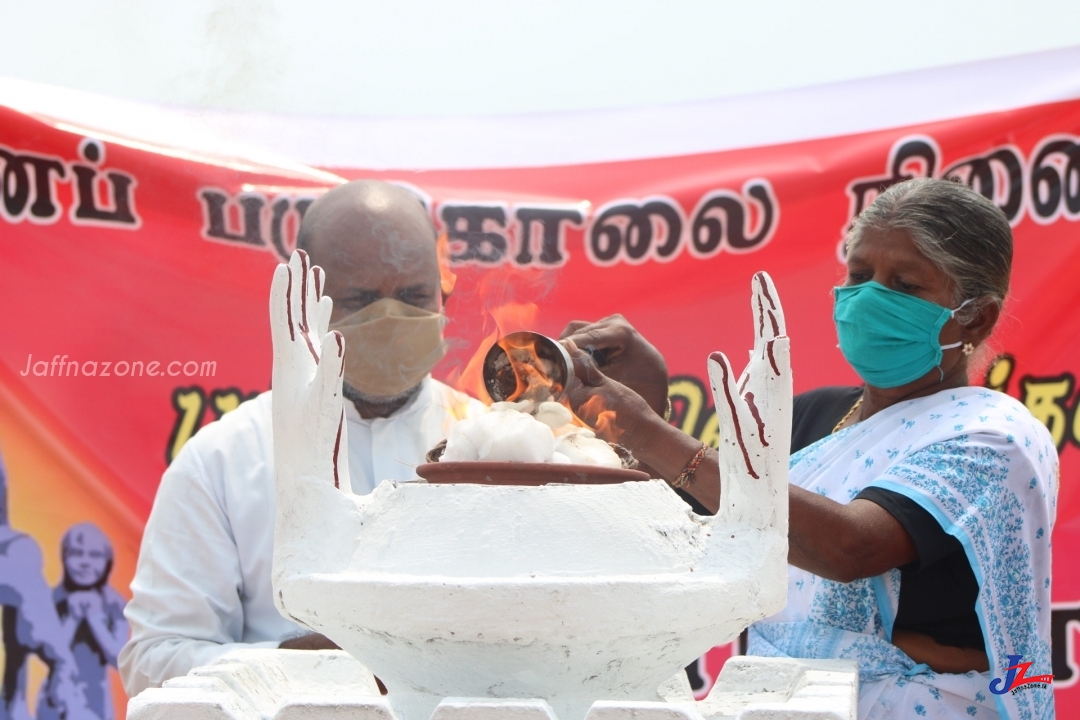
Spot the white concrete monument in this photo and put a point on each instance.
(552, 602)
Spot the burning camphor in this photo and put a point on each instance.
(527, 374)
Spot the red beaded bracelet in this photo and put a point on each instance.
(687, 475)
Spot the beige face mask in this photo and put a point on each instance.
(390, 346)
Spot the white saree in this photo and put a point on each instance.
(987, 471)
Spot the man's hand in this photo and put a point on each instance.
(623, 355)
(311, 641)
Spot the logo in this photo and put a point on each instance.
(1016, 677)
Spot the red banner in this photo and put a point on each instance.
(136, 273)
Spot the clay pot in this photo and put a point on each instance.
(524, 474)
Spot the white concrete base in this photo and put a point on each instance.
(331, 685)
(759, 688)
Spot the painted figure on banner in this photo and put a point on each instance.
(31, 627)
(91, 616)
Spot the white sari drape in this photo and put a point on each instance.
(987, 471)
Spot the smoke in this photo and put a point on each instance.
(243, 58)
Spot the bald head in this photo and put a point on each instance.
(375, 240)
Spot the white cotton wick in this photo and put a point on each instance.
(584, 448)
(522, 406)
(526, 432)
(502, 435)
(555, 415)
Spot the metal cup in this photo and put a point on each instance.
(527, 366)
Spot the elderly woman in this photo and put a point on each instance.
(920, 508)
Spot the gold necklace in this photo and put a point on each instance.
(849, 414)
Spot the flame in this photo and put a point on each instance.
(508, 318)
(600, 419)
(447, 277)
(531, 372)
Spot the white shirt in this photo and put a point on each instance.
(202, 584)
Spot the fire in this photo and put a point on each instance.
(535, 376)
(602, 419)
(447, 277)
(509, 318)
(531, 371)
(531, 375)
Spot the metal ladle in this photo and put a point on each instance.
(501, 370)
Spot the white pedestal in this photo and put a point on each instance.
(331, 685)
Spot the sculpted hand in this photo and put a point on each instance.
(624, 356)
(309, 421)
(316, 522)
(755, 415)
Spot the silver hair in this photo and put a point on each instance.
(961, 232)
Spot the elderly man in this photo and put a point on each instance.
(202, 586)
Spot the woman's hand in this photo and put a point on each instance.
(615, 411)
(663, 450)
(848, 542)
(625, 357)
(941, 658)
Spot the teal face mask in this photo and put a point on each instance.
(888, 337)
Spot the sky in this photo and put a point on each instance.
(468, 57)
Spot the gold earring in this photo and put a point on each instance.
(968, 348)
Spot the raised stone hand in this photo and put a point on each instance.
(309, 421)
(317, 513)
(755, 418)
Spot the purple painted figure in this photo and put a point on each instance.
(91, 615)
(31, 627)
